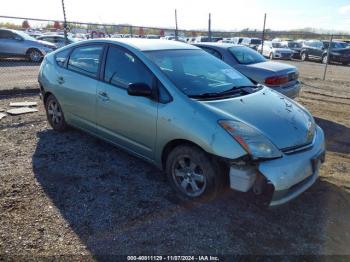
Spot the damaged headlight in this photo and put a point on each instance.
(256, 144)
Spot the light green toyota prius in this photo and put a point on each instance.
(202, 122)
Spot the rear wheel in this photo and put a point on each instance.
(304, 57)
(54, 114)
(35, 55)
(193, 174)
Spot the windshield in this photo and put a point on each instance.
(196, 72)
(278, 45)
(255, 41)
(245, 55)
(294, 45)
(339, 45)
(25, 36)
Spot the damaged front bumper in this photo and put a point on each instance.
(295, 172)
(280, 180)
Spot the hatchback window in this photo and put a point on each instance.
(61, 57)
(86, 60)
(123, 68)
(245, 55)
(196, 72)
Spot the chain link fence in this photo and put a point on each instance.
(18, 73)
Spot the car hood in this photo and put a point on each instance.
(283, 121)
(282, 50)
(41, 42)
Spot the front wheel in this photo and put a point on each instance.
(193, 174)
(55, 115)
(35, 55)
(304, 57)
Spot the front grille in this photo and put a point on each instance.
(296, 149)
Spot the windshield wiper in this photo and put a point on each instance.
(234, 91)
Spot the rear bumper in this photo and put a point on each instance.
(291, 91)
(294, 173)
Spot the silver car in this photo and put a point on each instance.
(280, 77)
(195, 117)
(15, 43)
(276, 50)
(57, 40)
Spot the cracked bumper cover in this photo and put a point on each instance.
(294, 173)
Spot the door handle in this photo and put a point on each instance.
(60, 80)
(103, 95)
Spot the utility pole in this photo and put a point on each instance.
(209, 27)
(64, 24)
(176, 32)
(328, 52)
(263, 35)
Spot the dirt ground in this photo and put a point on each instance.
(74, 194)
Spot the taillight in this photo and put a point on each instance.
(276, 80)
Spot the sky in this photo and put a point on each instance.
(332, 15)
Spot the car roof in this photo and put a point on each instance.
(144, 44)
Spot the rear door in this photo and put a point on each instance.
(11, 43)
(128, 121)
(77, 84)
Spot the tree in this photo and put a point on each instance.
(57, 25)
(25, 24)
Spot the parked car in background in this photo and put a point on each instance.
(204, 123)
(232, 40)
(15, 43)
(280, 77)
(200, 39)
(275, 50)
(152, 36)
(251, 42)
(57, 40)
(294, 46)
(318, 50)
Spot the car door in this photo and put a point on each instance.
(129, 121)
(77, 84)
(11, 43)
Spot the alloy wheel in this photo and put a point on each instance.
(188, 177)
(35, 56)
(55, 113)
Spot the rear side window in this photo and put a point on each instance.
(123, 68)
(86, 60)
(61, 57)
(4, 34)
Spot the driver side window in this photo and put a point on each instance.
(123, 68)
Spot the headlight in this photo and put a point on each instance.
(250, 139)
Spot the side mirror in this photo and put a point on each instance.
(139, 89)
(18, 38)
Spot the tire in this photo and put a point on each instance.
(55, 115)
(35, 55)
(193, 174)
(304, 57)
(324, 59)
(271, 56)
(345, 63)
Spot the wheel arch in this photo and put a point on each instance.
(171, 145)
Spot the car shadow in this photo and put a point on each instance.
(337, 136)
(119, 204)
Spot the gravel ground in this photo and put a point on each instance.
(74, 194)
